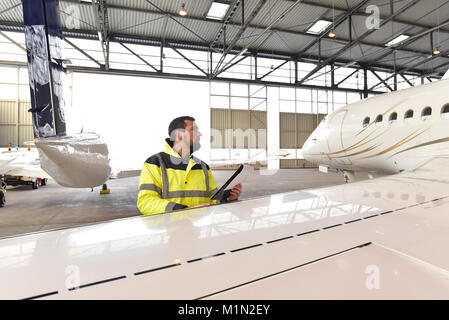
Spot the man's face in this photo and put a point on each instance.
(192, 135)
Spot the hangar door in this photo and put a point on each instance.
(295, 129)
(16, 125)
(228, 122)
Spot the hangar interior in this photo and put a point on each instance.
(269, 69)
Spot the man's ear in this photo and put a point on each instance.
(179, 135)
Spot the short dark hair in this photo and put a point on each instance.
(178, 123)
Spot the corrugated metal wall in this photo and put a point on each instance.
(295, 129)
(16, 125)
(222, 119)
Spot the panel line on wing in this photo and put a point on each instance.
(42, 295)
(245, 248)
(286, 270)
(304, 233)
(96, 283)
(329, 227)
(284, 238)
(157, 269)
(203, 258)
(369, 217)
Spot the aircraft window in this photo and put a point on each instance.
(366, 122)
(426, 113)
(393, 117)
(408, 114)
(445, 108)
(379, 118)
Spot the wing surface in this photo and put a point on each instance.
(381, 238)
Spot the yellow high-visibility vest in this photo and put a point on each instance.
(167, 182)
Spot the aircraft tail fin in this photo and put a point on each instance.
(43, 37)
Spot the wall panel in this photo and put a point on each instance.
(16, 126)
(227, 123)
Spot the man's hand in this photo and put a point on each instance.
(235, 192)
(202, 205)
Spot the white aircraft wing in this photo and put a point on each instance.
(26, 172)
(385, 238)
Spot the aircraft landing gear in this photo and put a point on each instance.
(349, 176)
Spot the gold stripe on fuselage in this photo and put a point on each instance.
(360, 152)
(398, 144)
(423, 145)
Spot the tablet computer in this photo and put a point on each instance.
(227, 183)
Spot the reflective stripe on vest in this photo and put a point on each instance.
(150, 186)
(170, 206)
(182, 193)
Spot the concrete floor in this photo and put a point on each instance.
(53, 206)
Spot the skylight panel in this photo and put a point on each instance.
(318, 27)
(397, 40)
(217, 11)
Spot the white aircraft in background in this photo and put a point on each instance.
(389, 133)
(21, 162)
(19, 167)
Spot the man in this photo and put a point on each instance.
(175, 179)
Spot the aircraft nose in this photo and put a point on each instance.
(306, 148)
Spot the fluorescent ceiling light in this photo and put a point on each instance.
(396, 40)
(319, 26)
(217, 11)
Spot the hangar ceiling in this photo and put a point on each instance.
(254, 30)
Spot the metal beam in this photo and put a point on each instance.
(236, 38)
(339, 21)
(101, 19)
(140, 58)
(10, 8)
(175, 20)
(226, 20)
(170, 15)
(83, 52)
(15, 27)
(262, 53)
(406, 42)
(410, 84)
(188, 60)
(12, 41)
(411, 67)
(87, 34)
(271, 71)
(381, 80)
(270, 26)
(352, 43)
(204, 78)
(441, 66)
(233, 64)
(173, 16)
(362, 13)
(347, 77)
